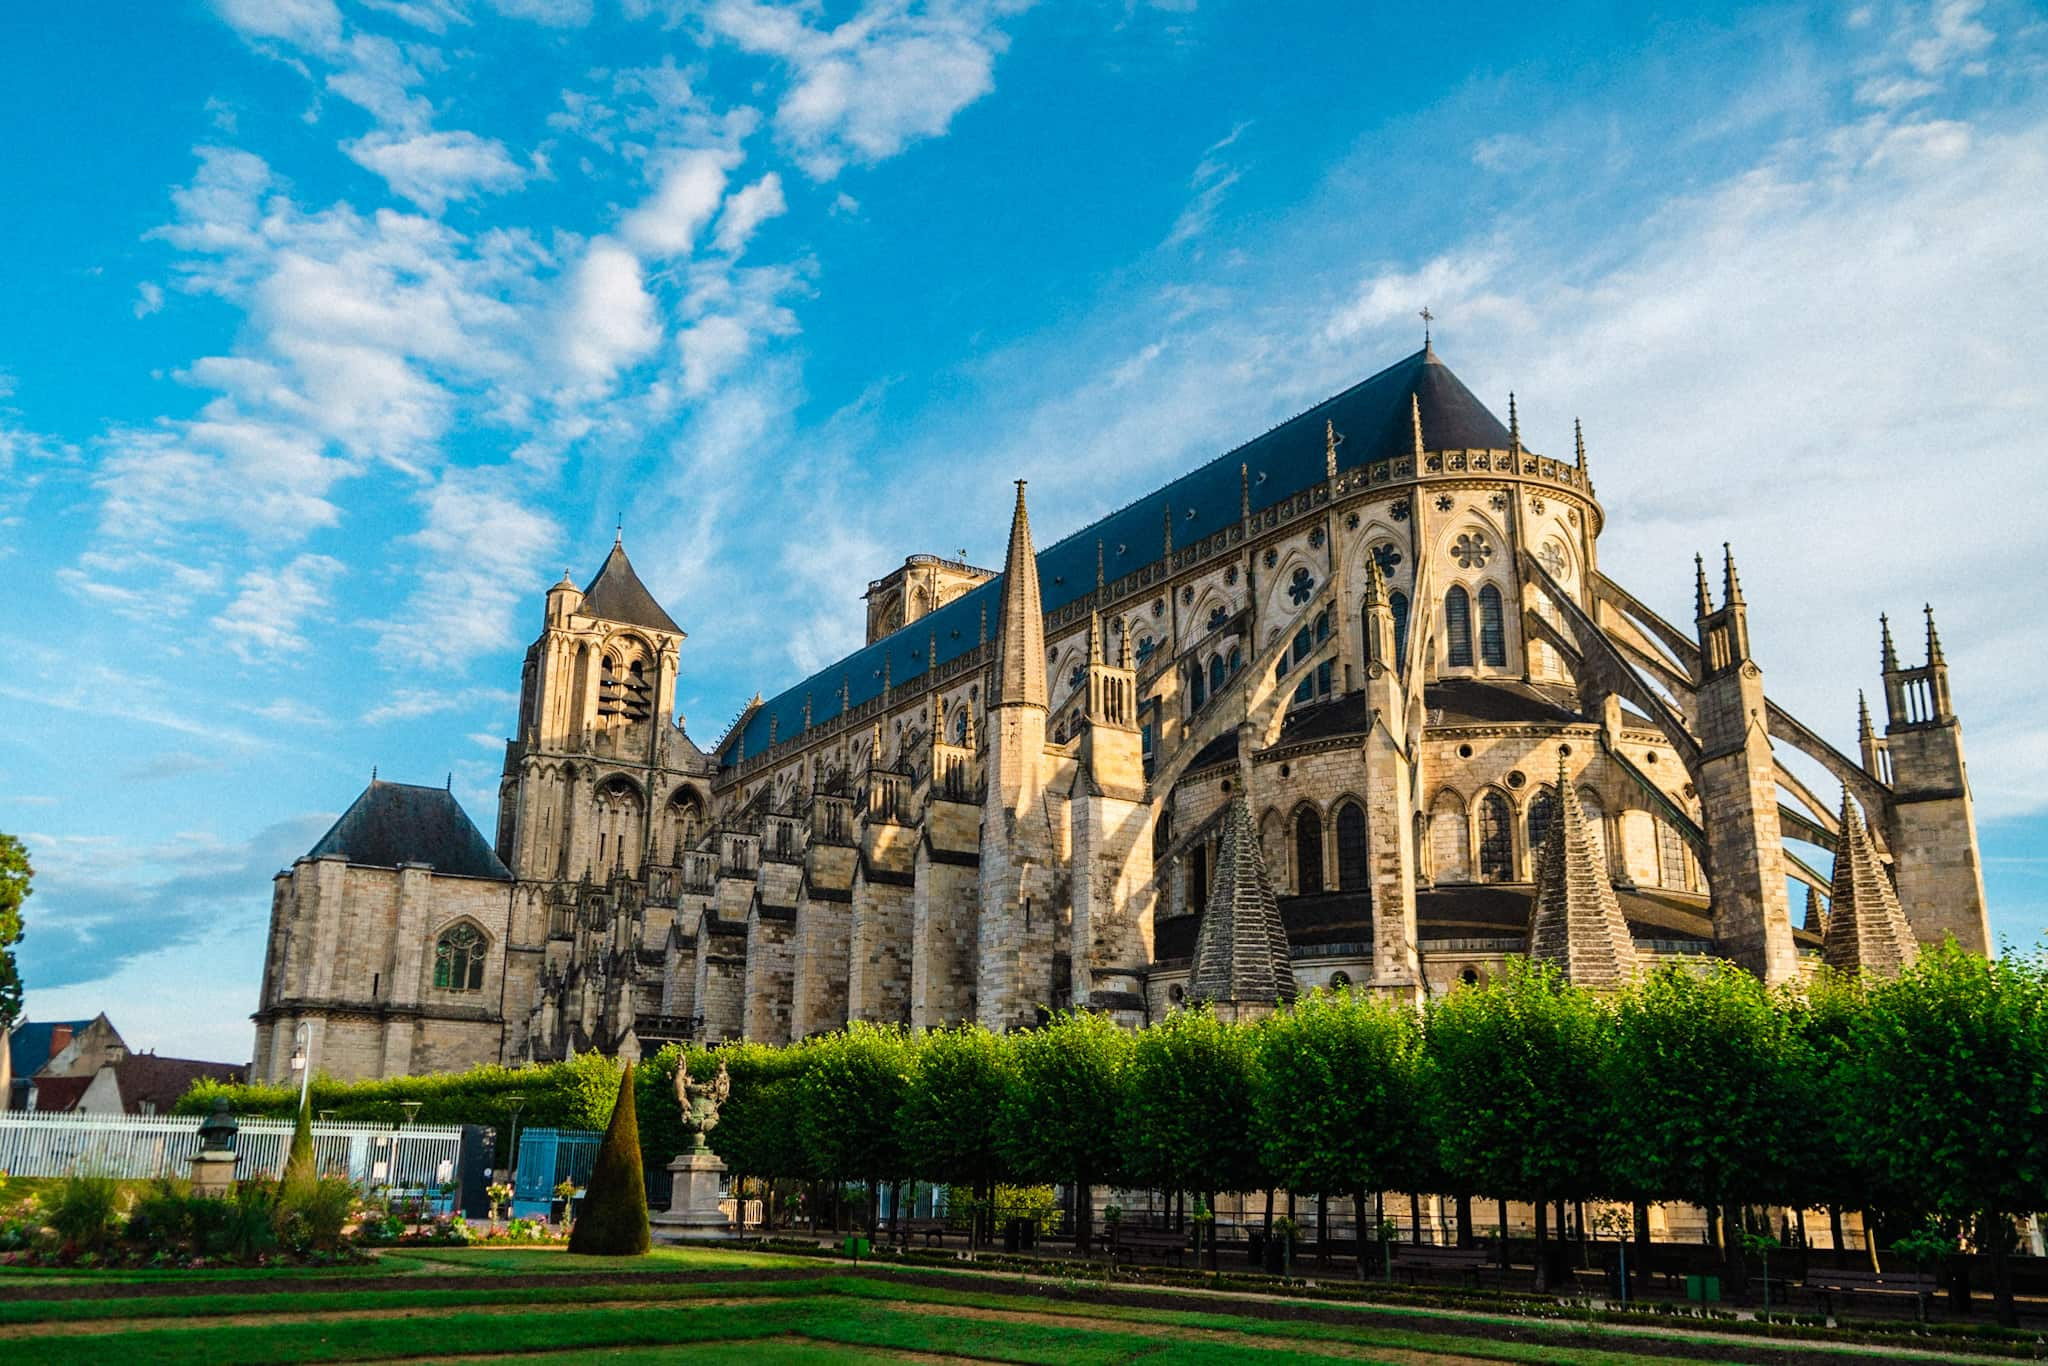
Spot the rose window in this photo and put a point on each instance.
(1387, 556)
(1301, 587)
(1471, 550)
(1552, 558)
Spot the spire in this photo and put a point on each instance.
(1731, 586)
(1123, 647)
(1244, 493)
(1579, 443)
(1816, 914)
(1866, 930)
(1095, 639)
(807, 711)
(1375, 582)
(1574, 919)
(1330, 440)
(968, 737)
(939, 717)
(1020, 673)
(619, 536)
(1933, 640)
(875, 745)
(1514, 422)
(1890, 657)
(1099, 580)
(1864, 730)
(1415, 424)
(1241, 952)
(1168, 517)
(1702, 600)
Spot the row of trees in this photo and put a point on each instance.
(1926, 1096)
(1922, 1097)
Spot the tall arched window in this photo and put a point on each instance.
(1493, 640)
(1399, 602)
(1448, 836)
(1542, 815)
(1496, 839)
(1308, 852)
(459, 958)
(1216, 673)
(1670, 856)
(1197, 694)
(1458, 627)
(1351, 858)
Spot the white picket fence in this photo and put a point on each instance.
(371, 1155)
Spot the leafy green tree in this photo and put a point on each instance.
(847, 1105)
(1948, 1089)
(948, 1120)
(613, 1221)
(16, 877)
(1059, 1118)
(1187, 1108)
(1336, 1104)
(1507, 1068)
(1817, 1162)
(1700, 1084)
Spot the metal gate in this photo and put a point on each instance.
(547, 1158)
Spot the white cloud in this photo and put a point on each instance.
(866, 88)
(310, 24)
(687, 194)
(268, 616)
(747, 210)
(410, 704)
(711, 348)
(608, 321)
(432, 168)
(477, 559)
(149, 298)
(553, 13)
(1212, 179)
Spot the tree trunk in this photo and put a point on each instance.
(874, 1219)
(1211, 1196)
(1502, 1211)
(1996, 1237)
(1464, 1221)
(1414, 1218)
(1084, 1207)
(1358, 1219)
(1269, 1214)
(1322, 1229)
(1542, 1244)
(1641, 1220)
(1870, 1239)
(1835, 1226)
(1731, 1246)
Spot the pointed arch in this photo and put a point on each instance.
(1457, 627)
(1398, 602)
(460, 951)
(1352, 856)
(1450, 855)
(1496, 838)
(1493, 639)
(1541, 815)
(1308, 850)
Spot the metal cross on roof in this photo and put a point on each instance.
(1427, 318)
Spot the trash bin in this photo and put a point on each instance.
(1703, 1289)
(857, 1247)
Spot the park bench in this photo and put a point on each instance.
(1826, 1285)
(1412, 1261)
(933, 1231)
(1153, 1242)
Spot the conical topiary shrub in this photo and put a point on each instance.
(613, 1221)
(299, 1167)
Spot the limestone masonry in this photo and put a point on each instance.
(1356, 692)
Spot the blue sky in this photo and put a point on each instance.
(334, 331)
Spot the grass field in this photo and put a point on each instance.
(711, 1305)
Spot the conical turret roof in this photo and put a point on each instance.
(1574, 919)
(1866, 929)
(1241, 950)
(617, 594)
(1020, 651)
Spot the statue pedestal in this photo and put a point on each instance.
(693, 1199)
(213, 1173)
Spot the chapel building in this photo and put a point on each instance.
(1350, 706)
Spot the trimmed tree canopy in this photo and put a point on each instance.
(613, 1221)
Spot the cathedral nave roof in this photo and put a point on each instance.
(393, 824)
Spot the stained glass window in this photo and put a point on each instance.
(1308, 852)
(1458, 627)
(1493, 646)
(1496, 840)
(1399, 602)
(459, 959)
(1351, 857)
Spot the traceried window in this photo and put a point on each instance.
(1197, 693)
(1670, 856)
(1217, 675)
(459, 959)
(1458, 627)
(1542, 815)
(1399, 602)
(1496, 839)
(1351, 860)
(1308, 852)
(1493, 644)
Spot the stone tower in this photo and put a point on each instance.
(1933, 828)
(1389, 788)
(1112, 840)
(1738, 784)
(1016, 933)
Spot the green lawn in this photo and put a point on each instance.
(801, 1310)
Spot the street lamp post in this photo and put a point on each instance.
(302, 1057)
(517, 1101)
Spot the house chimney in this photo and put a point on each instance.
(60, 1038)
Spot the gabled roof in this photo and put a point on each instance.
(1375, 418)
(397, 823)
(617, 594)
(28, 1047)
(60, 1095)
(163, 1082)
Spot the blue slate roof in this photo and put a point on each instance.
(393, 824)
(1374, 418)
(28, 1047)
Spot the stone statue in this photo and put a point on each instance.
(700, 1102)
